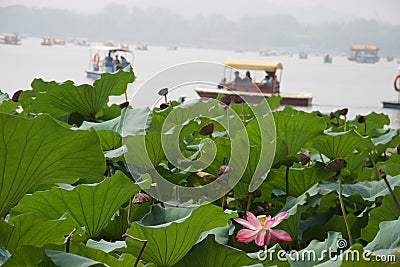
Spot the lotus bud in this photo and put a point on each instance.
(164, 92)
(224, 169)
(141, 198)
(335, 165)
(319, 114)
(237, 99)
(164, 105)
(124, 105)
(398, 149)
(382, 173)
(332, 116)
(207, 129)
(16, 95)
(343, 112)
(305, 158)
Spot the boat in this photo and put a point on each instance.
(364, 53)
(102, 59)
(10, 38)
(172, 48)
(124, 45)
(109, 43)
(81, 41)
(303, 55)
(47, 41)
(252, 91)
(394, 104)
(141, 46)
(327, 59)
(58, 41)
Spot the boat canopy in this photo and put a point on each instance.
(364, 47)
(254, 65)
(112, 49)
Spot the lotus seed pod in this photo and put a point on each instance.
(207, 129)
(335, 165)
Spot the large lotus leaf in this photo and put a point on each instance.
(353, 257)
(293, 130)
(30, 229)
(9, 107)
(131, 122)
(59, 99)
(388, 236)
(4, 255)
(338, 145)
(92, 206)
(3, 97)
(314, 248)
(210, 253)
(373, 121)
(81, 255)
(39, 152)
(387, 211)
(390, 139)
(171, 232)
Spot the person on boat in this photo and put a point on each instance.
(109, 63)
(116, 63)
(237, 81)
(247, 81)
(267, 80)
(124, 62)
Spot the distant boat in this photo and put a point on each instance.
(109, 43)
(102, 59)
(82, 41)
(327, 59)
(364, 53)
(303, 55)
(10, 38)
(58, 41)
(124, 45)
(172, 48)
(47, 41)
(142, 46)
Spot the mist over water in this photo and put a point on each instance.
(360, 87)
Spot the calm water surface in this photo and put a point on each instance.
(360, 87)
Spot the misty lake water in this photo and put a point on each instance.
(360, 87)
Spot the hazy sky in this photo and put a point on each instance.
(387, 11)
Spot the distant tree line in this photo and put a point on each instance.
(161, 26)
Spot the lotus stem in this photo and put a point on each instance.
(126, 97)
(248, 201)
(128, 218)
(344, 210)
(68, 242)
(396, 202)
(287, 180)
(345, 122)
(142, 248)
(374, 165)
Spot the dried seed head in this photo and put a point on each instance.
(163, 92)
(319, 114)
(226, 99)
(362, 119)
(141, 198)
(124, 105)
(224, 169)
(207, 129)
(305, 158)
(237, 99)
(343, 111)
(164, 105)
(16, 95)
(332, 115)
(398, 149)
(382, 173)
(335, 165)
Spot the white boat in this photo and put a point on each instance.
(82, 41)
(105, 59)
(10, 38)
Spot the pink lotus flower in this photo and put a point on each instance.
(259, 229)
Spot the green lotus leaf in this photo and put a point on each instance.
(30, 229)
(92, 206)
(387, 211)
(210, 253)
(293, 130)
(60, 99)
(40, 152)
(106, 246)
(3, 97)
(172, 232)
(390, 139)
(7, 105)
(81, 255)
(338, 145)
(388, 236)
(373, 121)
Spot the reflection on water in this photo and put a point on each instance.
(359, 87)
